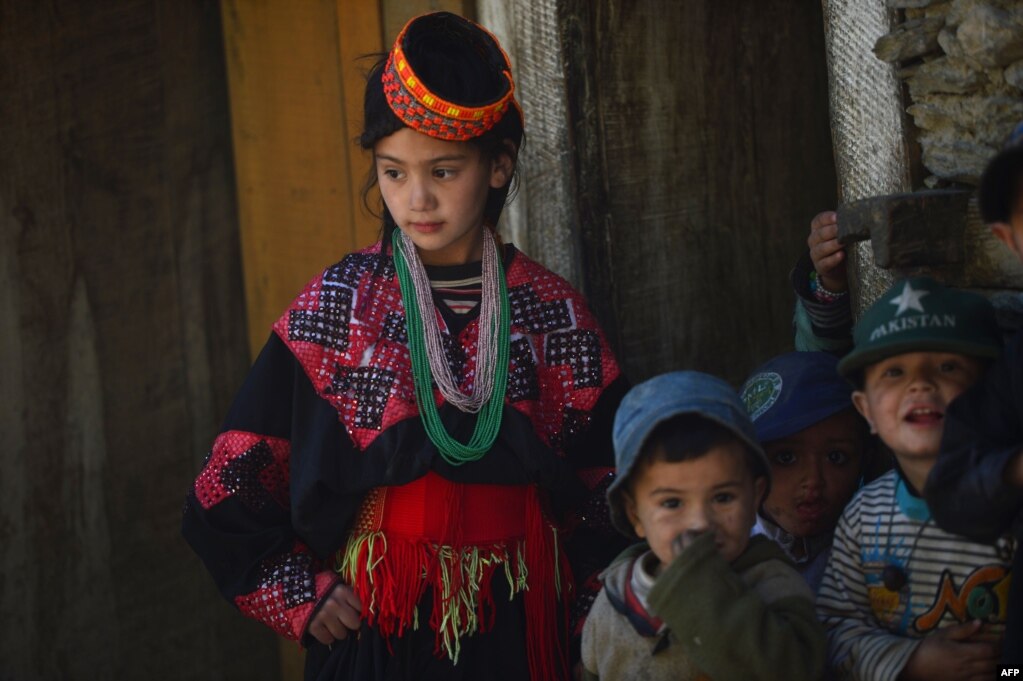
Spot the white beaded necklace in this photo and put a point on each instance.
(487, 352)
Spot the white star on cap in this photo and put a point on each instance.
(909, 299)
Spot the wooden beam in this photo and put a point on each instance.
(938, 233)
(360, 36)
(909, 230)
(292, 115)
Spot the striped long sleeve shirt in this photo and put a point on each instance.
(873, 628)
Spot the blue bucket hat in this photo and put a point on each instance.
(791, 392)
(659, 399)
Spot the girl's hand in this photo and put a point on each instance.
(827, 254)
(339, 614)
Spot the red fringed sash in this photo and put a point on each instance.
(454, 539)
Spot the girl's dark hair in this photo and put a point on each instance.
(461, 63)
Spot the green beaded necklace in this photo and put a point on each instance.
(488, 421)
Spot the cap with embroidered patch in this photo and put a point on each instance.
(920, 315)
(792, 392)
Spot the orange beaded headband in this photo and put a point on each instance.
(422, 110)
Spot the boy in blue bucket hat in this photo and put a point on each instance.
(817, 447)
(699, 596)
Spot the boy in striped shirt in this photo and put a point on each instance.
(902, 598)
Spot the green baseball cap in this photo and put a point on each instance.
(920, 315)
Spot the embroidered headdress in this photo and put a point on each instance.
(421, 105)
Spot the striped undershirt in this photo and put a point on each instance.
(872, 631)
(456, 293)
(460, 295)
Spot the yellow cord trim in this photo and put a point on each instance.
(364, 560)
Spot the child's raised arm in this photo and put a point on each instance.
(823, 316)
(827, 253)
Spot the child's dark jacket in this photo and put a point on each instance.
(966, 490)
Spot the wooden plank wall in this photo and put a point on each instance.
(542, 218)
(293, 118)
(122, 339)
(702, 152)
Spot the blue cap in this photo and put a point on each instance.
(659, 399)
(794, 391)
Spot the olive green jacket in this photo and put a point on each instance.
(749, 620)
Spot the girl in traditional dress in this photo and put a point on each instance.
(411, 480)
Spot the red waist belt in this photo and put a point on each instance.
(435, 509)
(454, 539)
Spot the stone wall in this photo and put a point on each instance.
(962, 63)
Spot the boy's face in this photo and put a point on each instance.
(904, 398)
(814, 473)
(713, 493)
(1011, 233)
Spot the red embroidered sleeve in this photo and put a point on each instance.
(288, 593)
(239, 506)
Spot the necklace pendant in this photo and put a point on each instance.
(893, 577)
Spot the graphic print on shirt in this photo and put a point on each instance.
(983, 595)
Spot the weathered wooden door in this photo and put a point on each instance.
(122, 339)
(676, 152)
